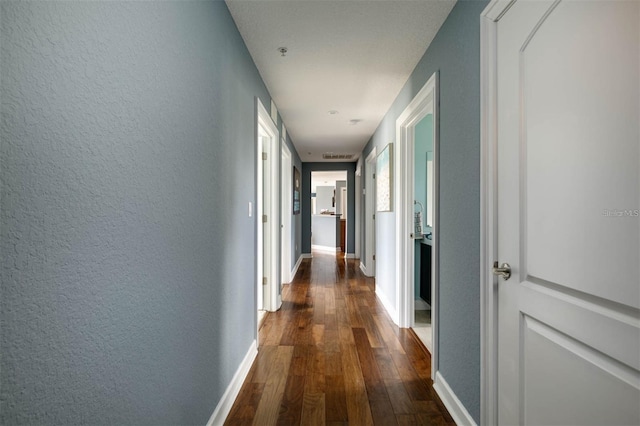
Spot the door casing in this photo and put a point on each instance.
(425, 102)
(267, 140)
(286, 212)
(488, 218)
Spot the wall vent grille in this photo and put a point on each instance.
(337, 156)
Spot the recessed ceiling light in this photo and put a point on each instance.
(354, 121)
(333, 112)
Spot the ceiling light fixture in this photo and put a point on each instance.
(283, 50)
(333, 112)
(354, 121)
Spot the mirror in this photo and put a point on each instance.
(424, 182)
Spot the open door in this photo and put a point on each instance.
(369, 266)
(286, 212)
(564, 228)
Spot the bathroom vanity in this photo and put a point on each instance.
(425, 269)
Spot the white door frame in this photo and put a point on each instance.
(358, 200)
(286, 212)
(266, 126)
(488, 209)
(424, 103)
(369, 267)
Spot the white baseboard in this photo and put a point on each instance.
(326, 248)
(460, 414)
(226, 402)
(350, 256)
(391, 310)
(421, 305)
(306, 255)
(363, 269)
(295, 268)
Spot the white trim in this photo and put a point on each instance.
(294, 271)
(425, 102)
(495, 9)
(306, 255)
(457, 410)
(264, 122)
(326, 248)
(229, 397)
(421, 305)
(350, 256)
(388, 306)
(418, 108)
(363, 268)
(488, 225)
(358, 207)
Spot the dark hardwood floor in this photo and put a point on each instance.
(331, 355)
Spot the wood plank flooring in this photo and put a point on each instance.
(332, 356)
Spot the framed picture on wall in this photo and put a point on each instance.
(384, 179)
(297, 185)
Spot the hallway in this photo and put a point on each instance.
(331, 355)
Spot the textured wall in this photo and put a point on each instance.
(455, 52)
(296, 237)
(307, 168)
(127, 163)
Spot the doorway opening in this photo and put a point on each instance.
(417, 229)
(423, 228)
(329, 222)
(268, 296)
(286, 212)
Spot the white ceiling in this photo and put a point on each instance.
(347, 56)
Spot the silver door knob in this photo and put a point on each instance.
(503, 271)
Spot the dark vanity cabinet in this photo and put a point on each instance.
(425, 272)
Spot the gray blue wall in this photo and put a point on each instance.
(296, 223)
(307, 168)
(127, 165)
(455, 53)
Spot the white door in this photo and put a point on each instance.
(263, 288)
(568, 194)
